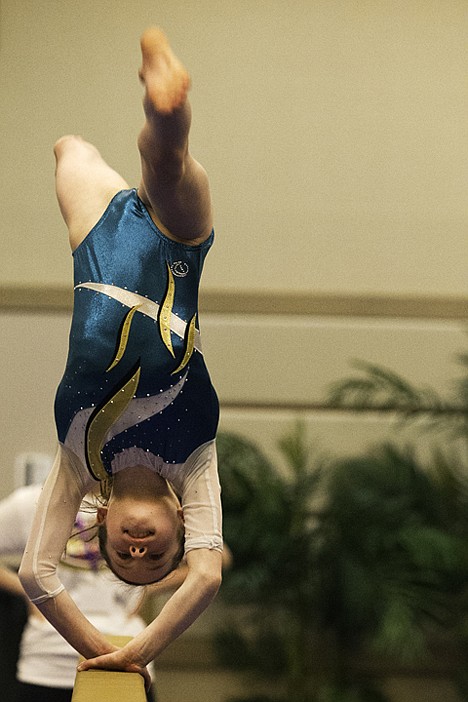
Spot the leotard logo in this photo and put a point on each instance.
(180, 269)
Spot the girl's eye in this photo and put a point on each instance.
(156, 556)
(123, 555)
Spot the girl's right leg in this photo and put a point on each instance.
(173, 184)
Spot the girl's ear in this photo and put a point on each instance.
(101, 515)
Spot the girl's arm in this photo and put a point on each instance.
(64, 615)
(53, 523)
(201, 503)
(182, 609)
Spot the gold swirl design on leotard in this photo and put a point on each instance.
(123, 340)
(146, 307)
(102, 420)
(165, 312)
(190, 345)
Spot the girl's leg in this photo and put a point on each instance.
(84, 184)
(173, 185)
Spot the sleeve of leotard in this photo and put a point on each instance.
(201, 500)
(52, 526)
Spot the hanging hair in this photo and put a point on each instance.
(105, 491)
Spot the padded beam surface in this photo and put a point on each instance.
(109, 685)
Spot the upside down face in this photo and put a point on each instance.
(142, 536)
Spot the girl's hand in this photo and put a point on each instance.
(117, 660)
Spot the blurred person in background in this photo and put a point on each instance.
(46, 666)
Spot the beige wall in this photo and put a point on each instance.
(335, 135)
(334, 132)
(269, 371)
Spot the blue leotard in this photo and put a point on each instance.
(135, 378)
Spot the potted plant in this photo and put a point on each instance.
(334, 557)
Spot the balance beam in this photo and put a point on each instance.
(109, 685)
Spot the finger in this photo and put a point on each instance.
(147, 679)
(98, 662)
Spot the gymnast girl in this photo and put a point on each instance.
(136, 412)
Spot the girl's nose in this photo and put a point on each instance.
(138, 551)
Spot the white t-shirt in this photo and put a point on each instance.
(46, 659)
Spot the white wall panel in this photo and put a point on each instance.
(267, 359)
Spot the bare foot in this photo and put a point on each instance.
(163, 75)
